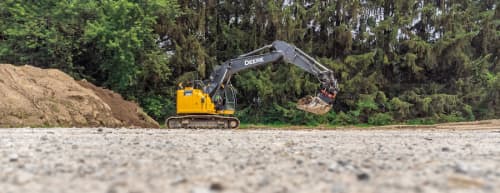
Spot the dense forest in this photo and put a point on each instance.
(413, 61)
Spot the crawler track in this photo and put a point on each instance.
(202, 122)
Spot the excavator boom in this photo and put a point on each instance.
(282, 51)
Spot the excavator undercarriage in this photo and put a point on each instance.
(202, 122)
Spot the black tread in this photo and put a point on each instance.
(212, 122)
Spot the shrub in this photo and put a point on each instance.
(346, 119)
(380, 119)
(158, 107)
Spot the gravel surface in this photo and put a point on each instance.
(200, 161)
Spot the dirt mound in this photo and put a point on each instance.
(127, 112)
(31, 96)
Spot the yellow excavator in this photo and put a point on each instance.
(209, 103)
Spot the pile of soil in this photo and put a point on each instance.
(127, 112)
(34, 97)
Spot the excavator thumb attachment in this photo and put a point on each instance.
(314, 105)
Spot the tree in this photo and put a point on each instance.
(422, 61)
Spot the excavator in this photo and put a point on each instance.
(210, 103)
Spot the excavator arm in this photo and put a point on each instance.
(280, 51)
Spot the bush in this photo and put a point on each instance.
(380, 119)
(346, 119)
(158, 107)
(453, 117)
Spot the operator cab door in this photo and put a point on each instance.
(230, 98)
(225, 100)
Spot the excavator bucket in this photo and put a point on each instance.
(313, 105)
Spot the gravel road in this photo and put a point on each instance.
(200, 161)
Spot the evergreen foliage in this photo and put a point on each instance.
(419, 61)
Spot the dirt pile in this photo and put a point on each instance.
(127, 112)
(31, 96)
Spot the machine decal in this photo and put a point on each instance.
(253, 61)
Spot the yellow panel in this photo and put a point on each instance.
(194, 101)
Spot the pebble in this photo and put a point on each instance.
(363, 176)
(264, 182)
(338, 188)
(44, 138)
(216, 186)
(179, 180)
(200, 190)
(342, 162)
(333, 167)
(13, 158)
(461, 168)
(23, 178)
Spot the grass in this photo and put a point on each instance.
(290, 126)
(252, 126)
(411, 122)
(330, 126)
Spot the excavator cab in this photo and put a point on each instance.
(225, 100)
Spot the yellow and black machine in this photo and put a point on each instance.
(209, 103)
